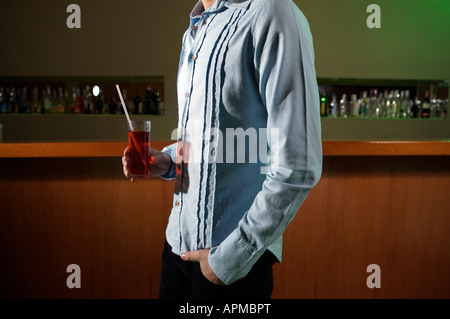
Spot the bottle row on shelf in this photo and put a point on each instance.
(87, 100)
(392, 104)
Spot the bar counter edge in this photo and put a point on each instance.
(330, 148)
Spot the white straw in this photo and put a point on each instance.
(123, 103)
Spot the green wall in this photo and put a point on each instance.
(412, 43)
(143, 37)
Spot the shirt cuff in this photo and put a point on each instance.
(171, 151)
(230, 267)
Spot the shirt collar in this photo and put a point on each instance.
(241, 4)
(218, 6)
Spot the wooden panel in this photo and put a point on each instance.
(57, 212)
(390, 211)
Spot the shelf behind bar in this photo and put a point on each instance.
(330, 148)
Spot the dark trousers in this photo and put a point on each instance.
(184, 280)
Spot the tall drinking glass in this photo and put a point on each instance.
(139, 144)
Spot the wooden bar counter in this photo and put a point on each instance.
(383, 203)
(335, 148)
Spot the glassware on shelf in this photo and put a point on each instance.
(387, 99)
(343, 106)
(36, 105)
(75, 95)
(353, 106)
(323, 104)
(364, 104)
(334, 106)
(3, 104)
(425, 112)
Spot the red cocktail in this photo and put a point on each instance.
(139, 143)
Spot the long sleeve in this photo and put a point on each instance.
(284, 68)
(170, 150)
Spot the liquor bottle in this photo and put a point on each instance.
(161, 106)
(7, 98)
(36, 105)
(23, 104)
(385, 102)
(26, 105)
(87, 100)
(99, 104)
(323, 104)
(415, 108)
(12, 107)
(59, 101)
(372, 108)
(444, 108)
(112, 106)
(401, 105)
(408, 102)
(435, 108)
(3, 105)
(54, 102)
(18, 98)
(47, 100)
(75, 107)
(379, 105)
(137, 102)
(426, 106)
(82, 100)
(399, 99)
(392, 104)
(343, 106)
(42, 102)
(354, 106)
(334, 108)
(156, 102)
(148, 101)
(66, 101)
(141, 108)
(363, 104)
(395, 97)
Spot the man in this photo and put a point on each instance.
(246, 72)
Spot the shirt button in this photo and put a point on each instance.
(187, 94)
(177, 203)
(193, 57)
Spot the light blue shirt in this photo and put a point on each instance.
(249, 138)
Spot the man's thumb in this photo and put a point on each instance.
(189, 256)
